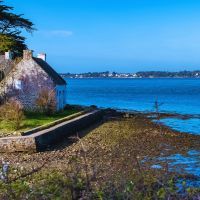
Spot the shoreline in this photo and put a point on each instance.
(153, 115)
(121, 146)
(131, 77)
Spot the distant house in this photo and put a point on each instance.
(35, 72)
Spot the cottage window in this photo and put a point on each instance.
(18, 84)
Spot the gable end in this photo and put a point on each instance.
(57, 79)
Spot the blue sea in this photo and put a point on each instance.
(180, 96)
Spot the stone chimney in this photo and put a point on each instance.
(8, 55)
(27, 54)
(42, 56)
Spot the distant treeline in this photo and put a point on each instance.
(142, 74)
(163, 74)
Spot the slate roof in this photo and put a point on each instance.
(6, 67)
(57, 79)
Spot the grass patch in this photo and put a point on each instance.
(34, 119)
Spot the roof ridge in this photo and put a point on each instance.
(57, 79)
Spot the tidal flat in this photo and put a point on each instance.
(123, 151)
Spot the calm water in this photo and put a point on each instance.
(176, 95)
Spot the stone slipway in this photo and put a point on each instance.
(43, 139)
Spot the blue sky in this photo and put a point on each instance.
(115, 35)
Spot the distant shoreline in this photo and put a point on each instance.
(144, 74)
(132, 77)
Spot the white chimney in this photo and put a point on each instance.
(42, 56)
(8, 55)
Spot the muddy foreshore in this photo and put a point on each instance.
(113, 147)
(121, 147)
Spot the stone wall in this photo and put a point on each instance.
(44, 139)
(17, 144)
(29, 76)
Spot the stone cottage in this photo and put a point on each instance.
(29, 77)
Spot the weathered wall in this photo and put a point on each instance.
(43, 139)
(28, 75)
(17, 144)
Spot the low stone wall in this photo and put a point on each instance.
(54, 123)
(43, 139)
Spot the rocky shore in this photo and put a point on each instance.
(120, 147)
